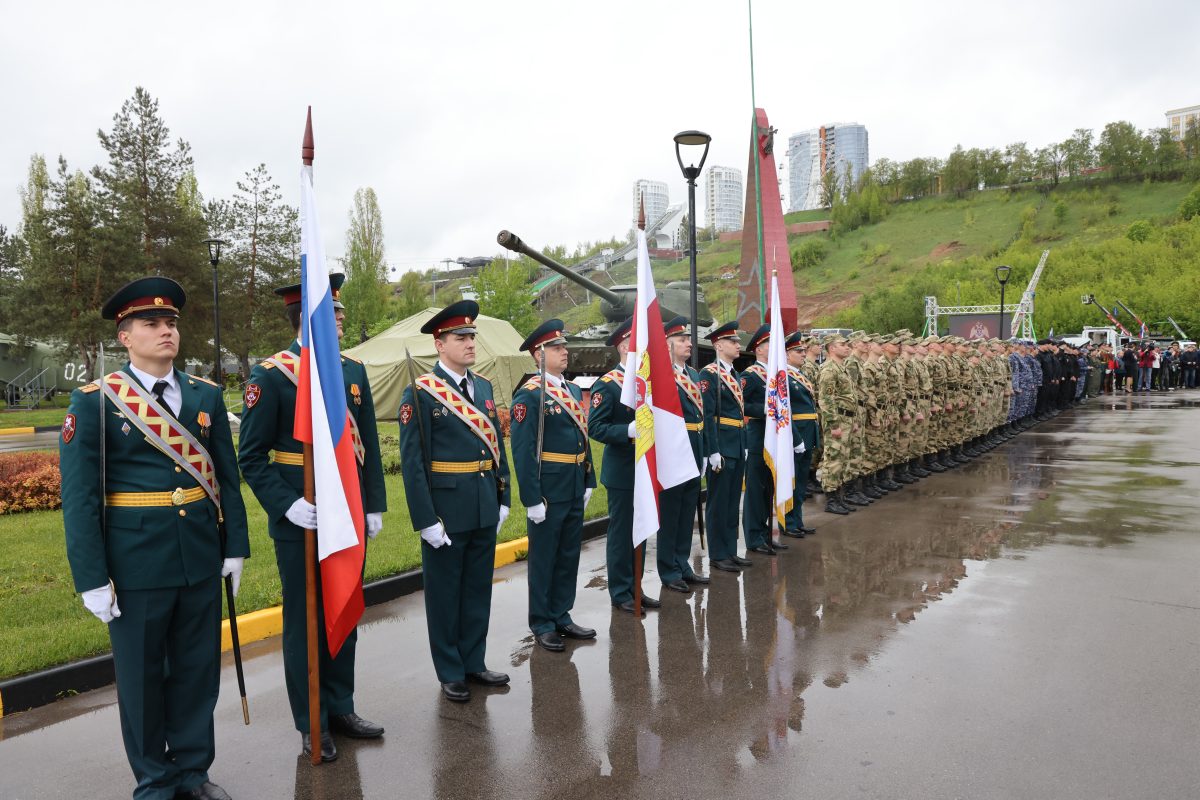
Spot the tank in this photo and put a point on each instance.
(589, 353)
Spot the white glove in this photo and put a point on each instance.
(633, 430)
(716, 462)
(303, 514)
(102, 602)
(587, 496)
(503, 516)
(536, 514)
(435, 535)
(798, 448)
(745, 455)
(374, 524)
(233, 568)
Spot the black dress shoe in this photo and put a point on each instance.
(488, 678)
(763, 549)
(694, 578)
(774, 545)
(679, 586)
(550, 641)
(741, 562)
(795, 534)
(205, 791)
(725, 565)
(354, 726)
(573, 631)
(456, 691)
(651, 602)
(807, 531)
(628, 607)
(328, 749)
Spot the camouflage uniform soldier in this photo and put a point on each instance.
(838, 413)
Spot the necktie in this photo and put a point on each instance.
(466, 392)
(159, 388)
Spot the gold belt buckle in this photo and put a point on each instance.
(178, 496)
(484, 465)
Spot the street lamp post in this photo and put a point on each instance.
(1002, 276)
(214, 258)
(690, 174)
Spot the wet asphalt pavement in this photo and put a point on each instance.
(1025, 626)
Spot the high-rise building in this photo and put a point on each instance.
(813, 153)
(723, 196)
(656, 196)
(1179, 120)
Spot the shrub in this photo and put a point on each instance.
(1139, 231)
(1190, 206)
(810, 253)
(29, 482)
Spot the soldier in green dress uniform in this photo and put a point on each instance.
(806, 432)
(456, 483)
(272, 462)
(677, 505)
(723, 427)
(758, 506)
(148, 474)
(556, 484)
(610, 422)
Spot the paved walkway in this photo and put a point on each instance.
(1025, 626)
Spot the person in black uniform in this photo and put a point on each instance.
(677, 505)
(272, 462)
(555, 484)
(456, 483)
(610, 422)
(723, 427)
(142, 534)
(758, 504)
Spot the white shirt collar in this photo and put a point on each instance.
(555, 380)
(458, 379)
(147, 380)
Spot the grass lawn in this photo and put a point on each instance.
(43, 622)
(50, 412)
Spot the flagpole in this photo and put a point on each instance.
(762, 297)
(637, 550)
(310, 549)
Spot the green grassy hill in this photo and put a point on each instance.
(877, 275)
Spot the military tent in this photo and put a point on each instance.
(498, 358)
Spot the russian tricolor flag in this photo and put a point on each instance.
(323, 420)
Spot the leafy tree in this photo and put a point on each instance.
(1190, 207)
(365, 291)
(1077, 152)
(1122, 149)
(504, 292)
(830, 186)
(1021, 165)
(263, 254)
(414, 295)
(12, 258)
(148, 184)
(958, 175)
(1049, 161)
(1139, 230)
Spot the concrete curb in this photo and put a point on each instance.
(40, 688)
(29, 430)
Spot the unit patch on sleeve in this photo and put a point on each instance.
(253, 394)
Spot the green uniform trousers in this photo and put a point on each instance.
(458, 601)
(723, 509)
(167, 653)
(677, 518)
(554, 564)
(620, 545)
(757, 516)
(337, 674)
(795, 517)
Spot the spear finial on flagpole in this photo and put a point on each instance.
(641, 212)
(306, 149)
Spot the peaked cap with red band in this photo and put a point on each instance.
(291, 294)
(620, 334)
(676, 327)
(760, 336)
(153, 296)
(455, 318)
(548, 333)
(727, 331)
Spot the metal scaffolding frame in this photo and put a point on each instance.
(1022, 313)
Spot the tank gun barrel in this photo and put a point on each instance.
(513, 242)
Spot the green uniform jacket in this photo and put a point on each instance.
(803, 430)
(754, 398)
(463, 501)
(693, 415)
(728, 440)
(559, 483)
(154, 547)
(268, 419)
(608, 423)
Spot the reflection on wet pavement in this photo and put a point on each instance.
(1026, 625)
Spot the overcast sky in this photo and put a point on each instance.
(469, 117)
